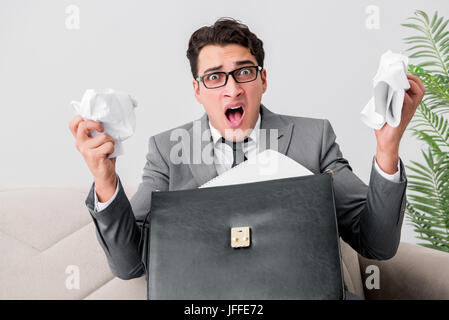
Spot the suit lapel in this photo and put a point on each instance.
(200, 167)
(272, 122)
(204, 171)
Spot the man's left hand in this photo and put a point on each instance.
(388, 138)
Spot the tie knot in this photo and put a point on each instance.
(233, 144)
(237, 150)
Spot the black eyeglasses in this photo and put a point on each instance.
(219, 79)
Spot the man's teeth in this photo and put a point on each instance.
(233, 108)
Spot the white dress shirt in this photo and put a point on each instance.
(223, 158)
(223, 155)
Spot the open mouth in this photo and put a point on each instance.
(234, 115)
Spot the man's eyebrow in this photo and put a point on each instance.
(239, 63)
(213, 69)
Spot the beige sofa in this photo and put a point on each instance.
(47, 240)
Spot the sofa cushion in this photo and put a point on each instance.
(40, 217)
(351, 269)
(118, 289)
(48, 242)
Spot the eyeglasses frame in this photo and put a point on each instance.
(227, 73)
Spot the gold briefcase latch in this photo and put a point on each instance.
(240, 237)
(331, 172)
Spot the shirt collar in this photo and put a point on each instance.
(216, 135)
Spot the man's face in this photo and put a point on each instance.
(217, 102)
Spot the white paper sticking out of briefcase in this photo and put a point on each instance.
(266, 165)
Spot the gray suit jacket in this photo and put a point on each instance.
(369, 217)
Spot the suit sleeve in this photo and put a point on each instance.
(103, 205)
(369, 217)
(118, 226)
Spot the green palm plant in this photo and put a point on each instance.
(428, 204)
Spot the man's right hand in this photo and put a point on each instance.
(95, 151)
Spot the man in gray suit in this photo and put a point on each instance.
(229, 80)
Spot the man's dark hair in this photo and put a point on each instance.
(224, 31)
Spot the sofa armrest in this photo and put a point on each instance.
(415, 272)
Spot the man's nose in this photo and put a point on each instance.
(232, 88)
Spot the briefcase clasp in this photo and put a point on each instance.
(240, 237)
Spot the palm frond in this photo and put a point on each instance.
(428, 205)
(437, 89)
(432, 128)
(428, 184)
(434, 43)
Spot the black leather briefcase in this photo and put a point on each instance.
(274, 239)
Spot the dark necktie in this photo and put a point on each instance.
(237, 150)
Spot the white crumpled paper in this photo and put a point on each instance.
(114, 109)
(390, 83)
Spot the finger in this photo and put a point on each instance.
(415, 90)
(408, 101)
(98, 140)
(105, 149)
(84, 128)
(73, 124)
(418, 81)
(407, 110)
(411, 76)
(421, 85)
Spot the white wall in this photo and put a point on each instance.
(320, 58)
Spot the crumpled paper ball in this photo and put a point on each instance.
(390, 83)
(114, 109)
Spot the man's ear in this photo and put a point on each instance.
(196, 91)
(263, 76)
